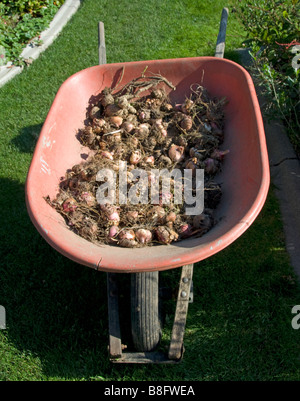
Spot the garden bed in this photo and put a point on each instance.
(21, 23)
(22, 39)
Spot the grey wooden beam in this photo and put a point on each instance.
(176, 344)
(220, 47)
(101, 43)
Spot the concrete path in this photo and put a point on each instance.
(285, 176)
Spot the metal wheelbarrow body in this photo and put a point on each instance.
(245, 174)
(245, 178)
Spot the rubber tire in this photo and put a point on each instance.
(145, 315)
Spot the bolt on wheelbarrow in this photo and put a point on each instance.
(245, 176)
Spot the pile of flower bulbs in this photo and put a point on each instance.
(139, 126)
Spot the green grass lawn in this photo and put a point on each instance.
(239, 326)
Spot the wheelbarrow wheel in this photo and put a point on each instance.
(145, 316)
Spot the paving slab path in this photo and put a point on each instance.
(285, 176)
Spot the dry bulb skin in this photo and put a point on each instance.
(137, 126)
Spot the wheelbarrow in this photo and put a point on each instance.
(245, 177)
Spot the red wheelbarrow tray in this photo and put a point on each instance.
(245, 174)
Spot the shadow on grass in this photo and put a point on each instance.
(27, 138)
(55, 309)
(238, 328)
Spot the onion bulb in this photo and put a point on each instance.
(122, 102)
(107, 154)
(135, 157)
(211, 166)
(127, 126)
(186, 123)
(114, 217)
(132, 215)
(128, 243)
(176, 153)
(88, 198)
(157, 213)
(185, 230)
(187, 105)
(69, 205)
(126, 234)
(219, 154)
(107, 99)
(143, 236)
(113, 231)
(171, 217)
(111, 213)
(149, 159)
(143, 129)
(98, 124)
(112, 110)
(165, 235)
(94, 112)
(191, 165)
(116, 120)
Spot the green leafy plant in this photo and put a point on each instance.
(273, 30)
(21, 21)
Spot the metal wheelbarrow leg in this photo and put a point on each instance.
(145, 320)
